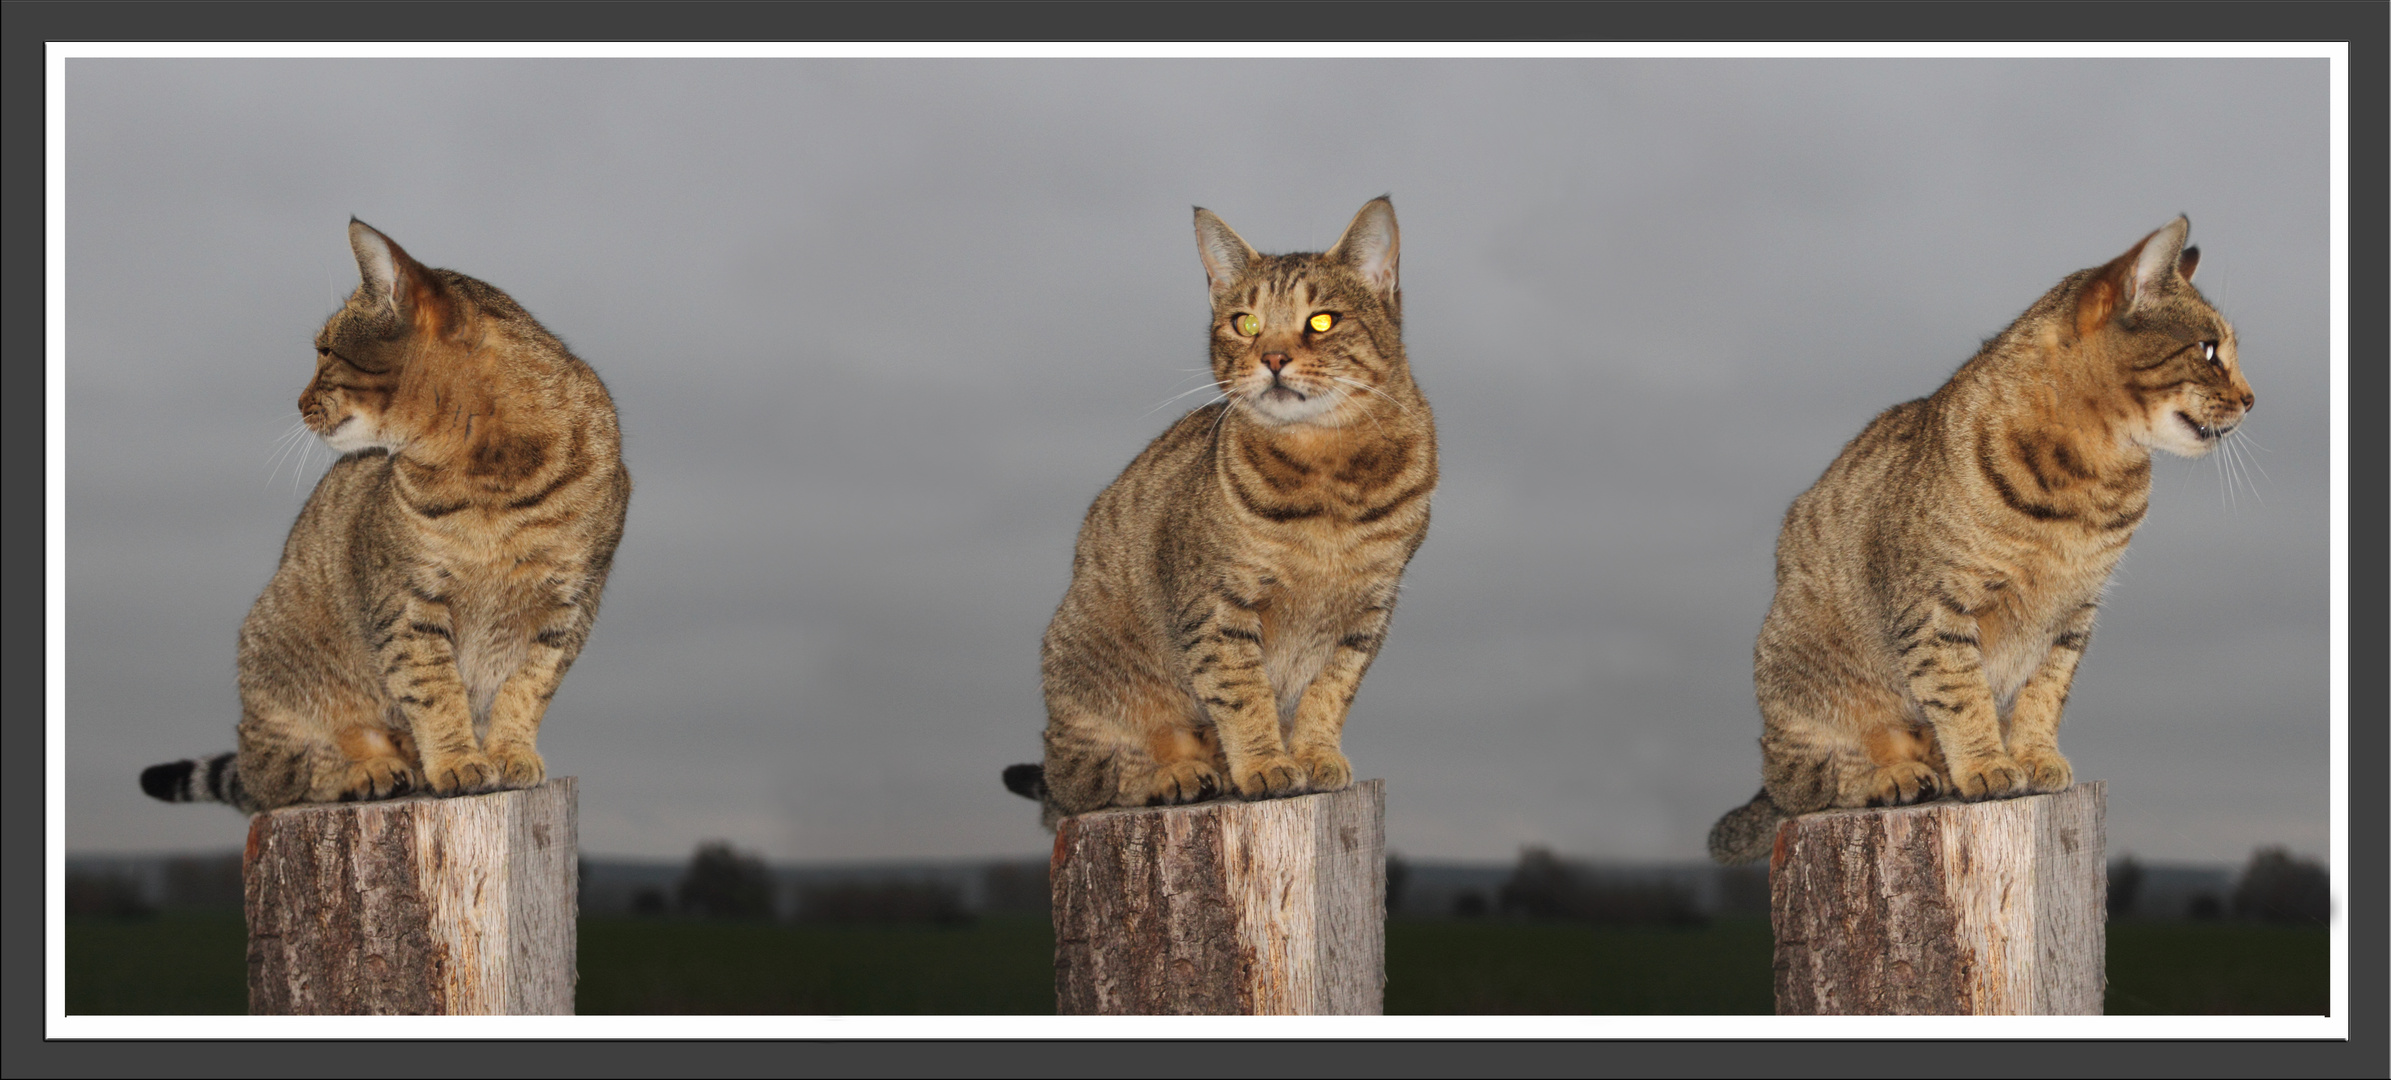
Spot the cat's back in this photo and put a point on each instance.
(1879, 468)
(301, 608)
(341, 504)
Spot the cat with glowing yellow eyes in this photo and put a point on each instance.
(1232, 586)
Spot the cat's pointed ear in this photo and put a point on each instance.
(2155, 260)
(1370, 246)
(1225, 254)
(2134, 280)
(394, 280)
(2189, 263)
(377, 261)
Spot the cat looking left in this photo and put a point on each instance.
(446, 571)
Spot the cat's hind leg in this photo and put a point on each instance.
(380, 764)
(1186, 767)
(1901, 769)
(1865, 752)
(327, 750)
(1139, 749)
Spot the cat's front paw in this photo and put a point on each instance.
(464, 774)
(383, 777)
(1183, 781)
(517, 767)
(1992, 776)
(1903, 783)
(1328, 768)
(1275, 776)
(2046, 770)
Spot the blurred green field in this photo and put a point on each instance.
(181, 963)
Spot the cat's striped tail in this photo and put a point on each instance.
(208, 779)
(1027, 781)
(1748, 832)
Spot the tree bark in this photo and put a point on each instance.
(1944, 908)
(1225, 907)
(415, 906)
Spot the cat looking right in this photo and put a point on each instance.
(1937, 586)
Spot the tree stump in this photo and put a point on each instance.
(1944, 908)
(1227, 907)
(415, 906)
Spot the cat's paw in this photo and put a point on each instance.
(1328, 768)
(383, 777)
(517, 766)
(464, 774)
(1903, 783)
(1992, 776)
(1183, 781)
(1272, 776)
(2046, 770)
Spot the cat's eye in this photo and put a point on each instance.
(2209, 349)
(1249, 325)
(1322, 321)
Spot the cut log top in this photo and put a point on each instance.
(415, 905)
(1224, 907)
(1944, 907)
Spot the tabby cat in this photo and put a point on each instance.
(447, 569)
(1937, 586)
(1232, 586)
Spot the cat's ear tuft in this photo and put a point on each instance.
(2155, 260)
(1370, 246)
(1226, 254)
(2134, 280)
(396, 282)
(378, 260)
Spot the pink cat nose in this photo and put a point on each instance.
(1274, 361)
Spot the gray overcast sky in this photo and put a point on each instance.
(878, 331)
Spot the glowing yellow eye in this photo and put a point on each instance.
(1322, 321)
(1249, 325)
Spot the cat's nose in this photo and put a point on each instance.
(2249, 399)
(1274, 361)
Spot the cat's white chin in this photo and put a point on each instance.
(1280, 405)
(354, 434)
(2179, 434)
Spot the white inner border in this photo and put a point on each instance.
(57, 1025)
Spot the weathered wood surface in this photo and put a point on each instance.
(1262, 908)
(415, 906)
(1944, 908)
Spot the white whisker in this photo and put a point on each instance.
(2242, 464)
(1390, 398)
(289, 442)
(2252, 460)
(1399, 406)
(1165, 403)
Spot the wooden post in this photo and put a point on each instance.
(415, 906)
(1944, 908)
(1225, 907)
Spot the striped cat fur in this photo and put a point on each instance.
(446, 571)
(1232, 586)
(1936, 588)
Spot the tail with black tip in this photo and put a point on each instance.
(208, 779)
(1027, 781)
(1748, 832)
